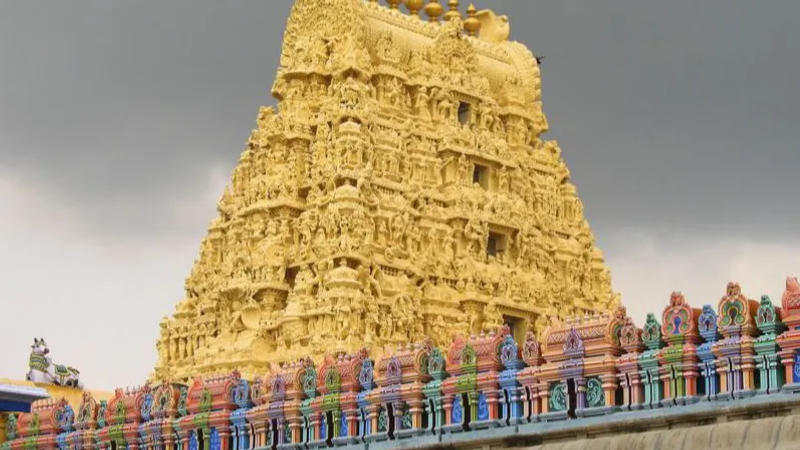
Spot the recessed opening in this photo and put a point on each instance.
(480, 175)
(572, 398)
(496, 244)
(463, 113)
(517, 327)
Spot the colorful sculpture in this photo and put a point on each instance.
(41, 368)
(650, 374)
(528, 378)
(434, 399)
(45, 427)
(630, 378)
(588, 366)
(580, 375)
(708, 388)
(735, 362)
(85, 424)
(789, 340)
(472, 393)
(768, 361)
(403, 375)
(678, 362)
(209, 404)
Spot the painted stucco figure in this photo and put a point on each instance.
(42, 369)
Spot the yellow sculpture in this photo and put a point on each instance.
(400, 190)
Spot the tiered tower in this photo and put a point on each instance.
(400, 190)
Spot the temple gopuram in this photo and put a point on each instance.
(399, 190)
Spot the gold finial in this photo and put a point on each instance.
(414, 6)
(393, 3)
(472, 24)
(433, 9)
(453, 13)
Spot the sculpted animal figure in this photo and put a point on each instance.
(494, 28)
(41, 368)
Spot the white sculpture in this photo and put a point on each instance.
(43, 370)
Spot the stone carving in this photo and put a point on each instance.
(399, 189)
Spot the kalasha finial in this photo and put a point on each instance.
(472, 24)
(414, 6)
(433, 9)
(453, 13)
(393, 3)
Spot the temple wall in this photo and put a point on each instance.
(760, 423)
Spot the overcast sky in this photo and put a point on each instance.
(120, 123)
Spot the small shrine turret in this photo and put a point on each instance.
(678, 360)
(650, 373)
(735, 352)
(85, 423)
(630, 339)
(210, 402)
(434, 399)
(768, 362)
(402, 375)
(471, 393)
(159, 413)
(336, 408)
(789, 340)
(45, 427)
(707, 325)
(580, 376)
(511, 398)
(528, 378)
(121, 418)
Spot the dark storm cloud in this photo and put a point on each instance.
(680, 113)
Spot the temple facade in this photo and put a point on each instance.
(400, 190)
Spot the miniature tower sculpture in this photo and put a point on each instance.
(768, 363)
(678, 360)
(707, 325)
(400, 189)
(789, 340)
(735, 352)
(648, 363)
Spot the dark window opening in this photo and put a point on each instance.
(467, 411)
(463, 113)
(496, 245)
(200, 440)
(506, 411)
(329, 428)
(517, 327)
(390, 416)
(480, 175)
(431, 426)
(425, 418)
(273, 432)
(531, 402)
(572, 399)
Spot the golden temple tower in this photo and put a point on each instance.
(400, 190)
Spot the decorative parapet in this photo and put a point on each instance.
(590, 366)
